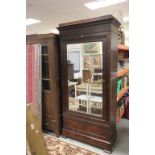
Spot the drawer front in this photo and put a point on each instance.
(48, 124)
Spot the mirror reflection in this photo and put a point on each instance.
(85, 82)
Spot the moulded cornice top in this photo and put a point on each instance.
(107, 18)
(41, 36)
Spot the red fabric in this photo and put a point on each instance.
(30, 66)
(33, 76)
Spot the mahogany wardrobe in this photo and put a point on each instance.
(89, 95)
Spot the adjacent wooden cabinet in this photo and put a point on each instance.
(89, 114)
(50, 80)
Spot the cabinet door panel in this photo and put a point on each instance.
(85, 86)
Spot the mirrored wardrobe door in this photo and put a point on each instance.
(85, 78)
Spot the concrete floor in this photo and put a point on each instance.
(122, 143)
(121, 146)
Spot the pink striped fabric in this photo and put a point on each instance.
(33, 76)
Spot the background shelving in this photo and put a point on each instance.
(123, 72)
(123, 48)
(123, 56)
(121, 94)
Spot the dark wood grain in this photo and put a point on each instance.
(51, 111)
(104, 19)
(99, 131)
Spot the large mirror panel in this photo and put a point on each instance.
(85, 81)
